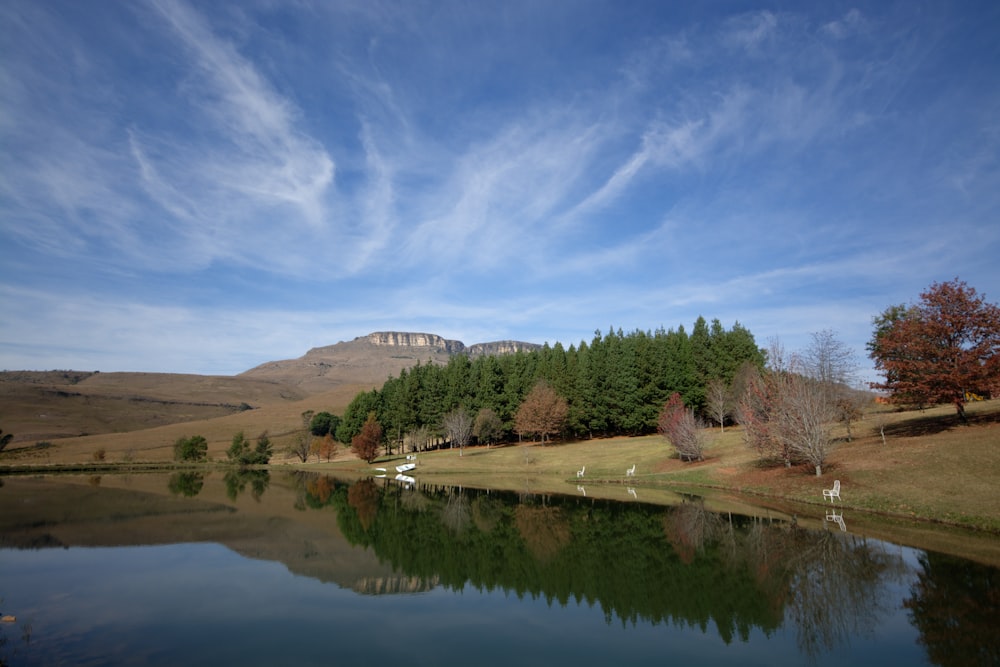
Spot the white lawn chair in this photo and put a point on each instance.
(834, 492)
(579, 473)
(631, 471)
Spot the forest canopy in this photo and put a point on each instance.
(614, 385)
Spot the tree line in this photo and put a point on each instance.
(944, 348)
(614, 385)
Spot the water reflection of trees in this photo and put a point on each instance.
(835, 587)
(955, 604)
(680, 564)
(187, 484)
(237, 480)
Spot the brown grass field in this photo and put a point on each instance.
(931, 472)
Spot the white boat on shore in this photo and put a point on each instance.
(406, 467)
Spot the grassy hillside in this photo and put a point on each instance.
(929, 468)
(281, 418)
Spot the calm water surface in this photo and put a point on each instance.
(272, 569)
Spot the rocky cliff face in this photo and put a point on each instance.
(407, 339)
(500, 347)
(369, 360)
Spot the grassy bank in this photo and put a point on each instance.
(930, 468)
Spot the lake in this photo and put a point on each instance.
(280, 568)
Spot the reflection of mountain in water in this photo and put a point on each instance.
(394, 584)
(680, 565)
(250, 515)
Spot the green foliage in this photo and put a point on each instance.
(241, 452)
(733, 573)
(187, 484)
(323, 423)
(614, 385)
(487, 427)
(236, 482)
(194, 448)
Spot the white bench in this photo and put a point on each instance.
(631, 471)
(579, 473)
(834, 492)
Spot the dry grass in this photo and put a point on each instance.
(931, 468)
(283, 420)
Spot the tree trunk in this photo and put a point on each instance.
(960, 409)
(819, 471)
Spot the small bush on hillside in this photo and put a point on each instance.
(194, 448)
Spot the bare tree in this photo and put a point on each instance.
(301, 447)
(718, 402)
(802, 419)
(786, 414)
(830, 363)
(757, 412)
(419, 439)
(457, 426)
(679, 426)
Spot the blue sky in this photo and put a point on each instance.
(202, 187)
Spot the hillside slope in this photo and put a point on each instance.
(79, 405)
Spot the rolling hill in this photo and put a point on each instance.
(146, 412)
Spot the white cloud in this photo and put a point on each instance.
(261, 154)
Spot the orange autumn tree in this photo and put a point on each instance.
(365, 444)
(542, 413)
(940, 348)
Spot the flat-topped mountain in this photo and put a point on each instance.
(373, 358)
(46, 405)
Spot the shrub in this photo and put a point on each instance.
(194, 448)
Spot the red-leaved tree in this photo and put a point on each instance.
(939, 349)
(365, 444)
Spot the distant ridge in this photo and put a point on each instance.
(372, 359)
(46, 405)
(408, 339)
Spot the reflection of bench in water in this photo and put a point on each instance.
(838, 519)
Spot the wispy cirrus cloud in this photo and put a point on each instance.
(259, 151)
(535, 172)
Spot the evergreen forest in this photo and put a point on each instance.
(615, 385)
